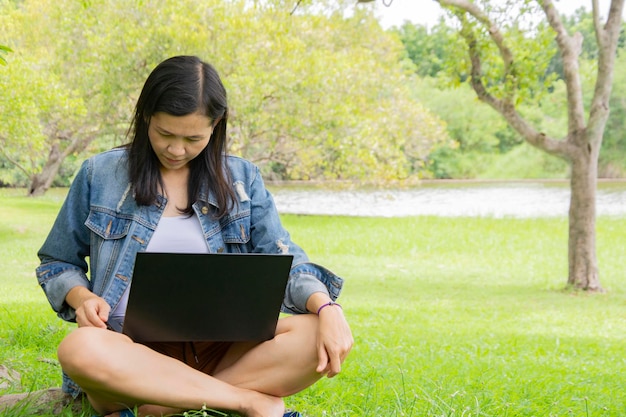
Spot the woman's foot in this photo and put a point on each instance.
(262, 405)
(254, 405)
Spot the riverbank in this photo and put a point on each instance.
(497, 199)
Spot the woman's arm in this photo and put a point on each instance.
(63, 265)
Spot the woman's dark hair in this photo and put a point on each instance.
(180, 86)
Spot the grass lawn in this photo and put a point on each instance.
(451, 316)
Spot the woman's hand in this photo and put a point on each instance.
(334, 340)
(91, 310)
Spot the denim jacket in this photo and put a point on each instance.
(101, 220)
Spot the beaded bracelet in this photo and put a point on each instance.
(330, 303)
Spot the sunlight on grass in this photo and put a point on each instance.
(452, 317)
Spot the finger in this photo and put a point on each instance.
(346, 350)
(84, 320)
(94, 311)
(322, 364)
(95, 320)
(335, 366)
(104, 310)
(103, 315)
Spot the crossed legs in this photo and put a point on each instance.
(251, 379)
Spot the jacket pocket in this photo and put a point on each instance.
(106, 225)
(236, 229)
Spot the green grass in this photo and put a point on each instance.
(452, 317)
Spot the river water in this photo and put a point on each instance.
(449, 199)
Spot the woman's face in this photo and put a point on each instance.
(176, 140)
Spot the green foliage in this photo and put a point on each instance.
(427, 49)
(34, 103)
(477, 132)
(340, 110)
(313, 94)
(3, 50)
(526, 162)
(430, 51)
(525, 35)
(472, 124)
(51, 104)
(533, 84)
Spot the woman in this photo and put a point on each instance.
(173, 189)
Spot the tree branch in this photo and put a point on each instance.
(607, 37)
(595, 9)
(505, 107)
(12, 160)
(570, 48)
(295, 7)
(494, 31)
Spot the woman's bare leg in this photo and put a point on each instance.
(251, 378)
(116, 373)
(279, 367)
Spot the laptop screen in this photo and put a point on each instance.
(206, 297)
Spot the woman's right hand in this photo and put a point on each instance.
(91, 310)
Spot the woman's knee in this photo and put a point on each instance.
(83, 349)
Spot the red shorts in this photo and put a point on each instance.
(203, 356)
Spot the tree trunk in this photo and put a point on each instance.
(42, 181)
(583, 263)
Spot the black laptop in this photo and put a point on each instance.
(205, 297)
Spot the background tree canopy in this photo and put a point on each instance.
(313, 95)
(495, 150)
(317, 92)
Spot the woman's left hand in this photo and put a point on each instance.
(334, 340)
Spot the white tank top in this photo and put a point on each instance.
(180, 234)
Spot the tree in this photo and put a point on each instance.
(307, 99)
(323, 103)
(503, 63)
(427, 49)
(57, 99)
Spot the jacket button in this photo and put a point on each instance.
(205, 210)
